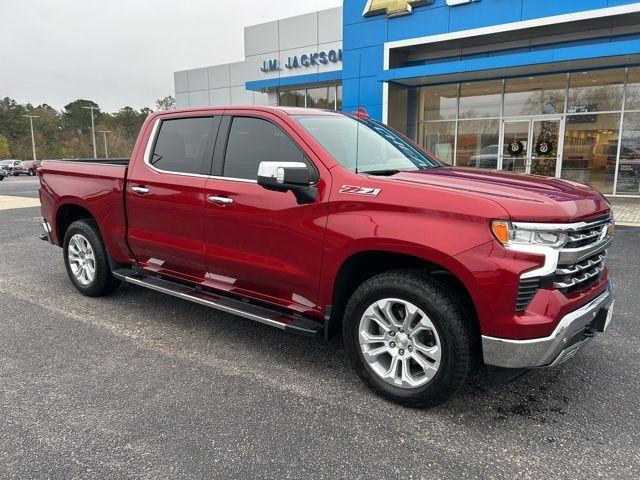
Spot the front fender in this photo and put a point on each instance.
(427, 235)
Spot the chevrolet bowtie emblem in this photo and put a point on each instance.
(393, 8)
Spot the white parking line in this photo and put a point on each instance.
(10, 203)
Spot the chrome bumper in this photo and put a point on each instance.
(573, 332)
(46, 236)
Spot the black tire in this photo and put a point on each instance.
(103, 282)
(448, 314)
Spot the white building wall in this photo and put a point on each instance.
(225, 84)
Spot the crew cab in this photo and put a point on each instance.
(322, 223)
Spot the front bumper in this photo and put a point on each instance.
(574, 331)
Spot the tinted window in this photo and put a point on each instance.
(183, 144)
(252, 141)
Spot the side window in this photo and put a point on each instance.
(251, 141)
(183, 144)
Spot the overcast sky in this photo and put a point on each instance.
(122, 52)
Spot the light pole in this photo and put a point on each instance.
(33, 138)
(104, 133)
(93, 129)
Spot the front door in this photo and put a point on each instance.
(531, 146)
(260, 243)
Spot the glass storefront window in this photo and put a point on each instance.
(477, 139)
(629, 168)
(591, 149)
(633, 89)
(535, 95)
(596, 91)
(440, 102)
(319, 98)
(481, 99)
(440, 138)
(586, 106)
(332, 98)
(292, 98)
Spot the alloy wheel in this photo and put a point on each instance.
(400, 343)
(82, 259)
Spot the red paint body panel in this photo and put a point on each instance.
(265, 244)
(96, 188)
(267, 247)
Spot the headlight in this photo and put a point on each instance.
(509, 235)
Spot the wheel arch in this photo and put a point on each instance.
(66, 214)
(363, 265)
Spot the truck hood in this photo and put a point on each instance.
(524, 197)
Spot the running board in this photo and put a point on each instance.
(284, 321)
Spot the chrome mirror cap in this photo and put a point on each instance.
(277, 170)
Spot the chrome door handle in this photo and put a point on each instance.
(140, 190)
(225, 201)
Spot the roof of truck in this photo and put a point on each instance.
(259, 108)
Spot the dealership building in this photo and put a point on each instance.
(547, 87)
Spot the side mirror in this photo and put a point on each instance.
(288, 176)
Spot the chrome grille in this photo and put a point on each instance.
(580, 274)
(582, 260)
(585, 237)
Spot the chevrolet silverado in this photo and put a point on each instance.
(322, 223)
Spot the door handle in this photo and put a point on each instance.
(140, 190)
(223, 201)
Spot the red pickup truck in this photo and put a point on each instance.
(318, 223)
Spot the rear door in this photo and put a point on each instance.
(165, 196)
(258, 242)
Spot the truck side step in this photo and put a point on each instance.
(284, 321)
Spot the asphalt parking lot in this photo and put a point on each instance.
(140, 385)
(19, 186)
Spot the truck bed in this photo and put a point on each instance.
(95, 185)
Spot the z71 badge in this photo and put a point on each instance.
(353, 190)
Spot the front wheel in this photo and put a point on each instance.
(86, 260)
(408, 338)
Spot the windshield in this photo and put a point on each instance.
(364, 145)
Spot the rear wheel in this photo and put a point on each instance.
(408, 338)
(86, 260)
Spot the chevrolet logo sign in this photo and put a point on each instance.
(393, 8)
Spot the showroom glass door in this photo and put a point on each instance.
(544, 147)
(531, 146)
(515, 146)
